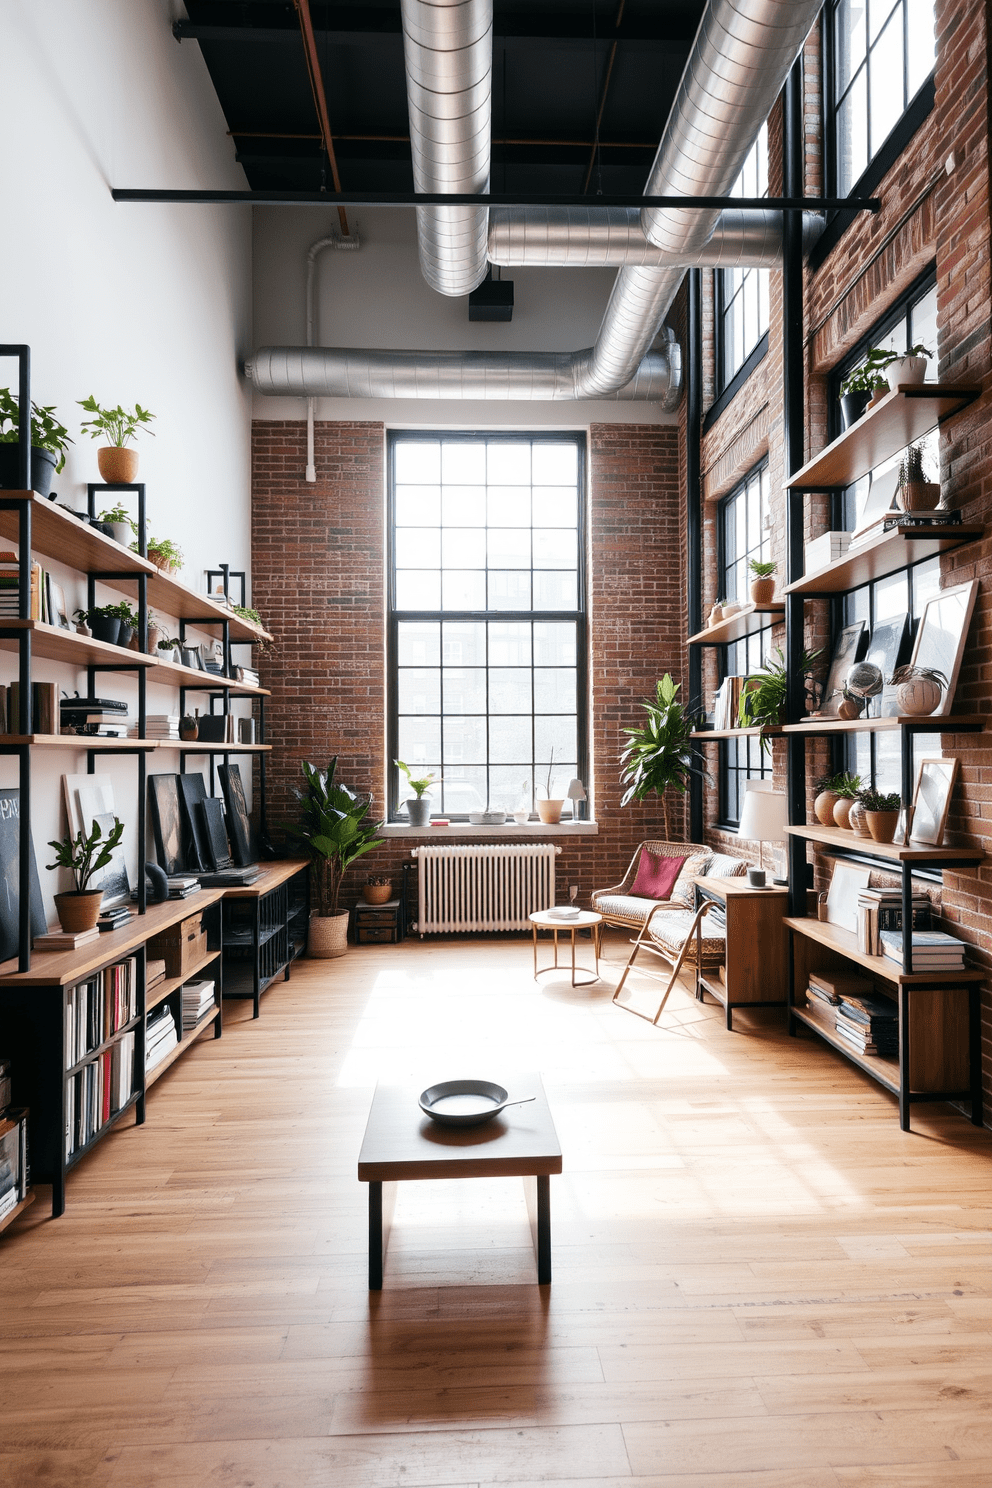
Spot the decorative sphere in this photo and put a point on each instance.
(865, 679)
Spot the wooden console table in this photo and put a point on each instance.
(756, 970)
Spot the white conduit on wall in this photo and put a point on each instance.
(349, 244)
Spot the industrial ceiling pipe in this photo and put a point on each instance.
(576, 237)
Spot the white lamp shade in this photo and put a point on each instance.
(576, 790)
(765, 813)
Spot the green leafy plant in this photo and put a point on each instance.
(761, 570)
(873, 800)
(333, 831)
(85, 855)
(123, 612)
(119, 425)
(868, 377)
(763, 695)
(244, 613)
(911, 467)
(46, 431)
(661, 754)
(419, 787)
(165, 549)
(378, 880)
(118, 513)
(846, 785)
(98, 612)
(917, 350)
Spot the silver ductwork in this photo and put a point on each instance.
(448, 50)
(580, 237)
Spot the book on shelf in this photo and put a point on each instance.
(933, 950)
(869, 1008)
(727, 702)
(880, 910)
(15, 1174)
(161, 1036)
(197, 1000)
(860, 1043)
(951, 517)
(64, 940)
(154, 972)
(46, 718)
(835, 984)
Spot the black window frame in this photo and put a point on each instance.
(727, 387)
(395, 617)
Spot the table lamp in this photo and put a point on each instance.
(764, 815)
(576, 794)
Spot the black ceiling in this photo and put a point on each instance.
(552, 61)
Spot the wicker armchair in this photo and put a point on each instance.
(618, 907)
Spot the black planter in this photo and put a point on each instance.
(42, 469)
(852, 406)
(125, 633)
(106, 628)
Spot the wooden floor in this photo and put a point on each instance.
(758, 1279)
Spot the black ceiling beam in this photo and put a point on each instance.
(366, 25)
(457, 199)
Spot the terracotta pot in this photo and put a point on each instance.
(857, 820)
(328, 936)
(550, 812)
(906, 369)
(162, 564)
(920, 496)
(118, 465)
(882, 824)
(763, 590)
(78, 911)
(823, 807)
(849, 708)
(154, 636)
(918, 697)
(842, 811)
(377, 893)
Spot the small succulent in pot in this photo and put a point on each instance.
(845, 789)
(918, 689)
(881, 812)
(377, 888)
(826, 793)
(762, 580)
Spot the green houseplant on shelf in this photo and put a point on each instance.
(762, 581)
(49, 444)
(417, 809)
(881, 810)
(79, 907)
(860, 386)
(117, 464)
(660, 755)
(119, 520)
(763, 695)
(333, 831)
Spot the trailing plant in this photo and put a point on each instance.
(909, 673)
(873, 800)
(333, 831)
(419, 787)
(761, 570)
(85, 855)
(868, 376)
(166, 549)
(661, 754)
(46, 431)
(763, 695)
(120, 425)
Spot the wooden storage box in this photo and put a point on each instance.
(182, 945)
(379, 923)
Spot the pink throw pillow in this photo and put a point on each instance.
(655, 875)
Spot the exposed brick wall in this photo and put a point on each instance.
(318, 580)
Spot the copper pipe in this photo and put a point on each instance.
(596, 142)
(404, 139)
(320, 101)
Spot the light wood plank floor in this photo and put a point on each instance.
(759, 1280)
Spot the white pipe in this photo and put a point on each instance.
(349, 244)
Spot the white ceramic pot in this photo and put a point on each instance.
(918, 697)
(328, 936)
(906, 369)
(550, 811)
(122, 533)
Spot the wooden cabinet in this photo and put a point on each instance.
(755, 973)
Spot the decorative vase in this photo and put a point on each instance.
(852, 406)
(920, 496)
(882, 825)
(849, 708)
(77, 911)
(857, 819)
(328, 936)
(842, 811)
(122, 532)
(918, 697)
(418, 809)
(550, 811)
(823, 807)
(43, 464)
(117, 464)
(106, 628)
(906, 369)
(377, 893)
(763, 590)
(189, 728)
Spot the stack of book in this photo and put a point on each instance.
(951, 517)
(10, 571)
(247, 674)
(933, 950)
(161, 1036)
(727, 702)
(869, 1023)
(159, 726)
(15, 1174)
(198, 999)
(154, 973)
(105, 718)
(113, 919)
(826, 549)
(826, 988)
(181, 886)
(880, 910)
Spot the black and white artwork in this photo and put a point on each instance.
(10, 898)
(885, 649)
(942, 634)
(215, 832)
(238, 823)
(163, 801)
(112, 879)
(193, 790)
(847, 651)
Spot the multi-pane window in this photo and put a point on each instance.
(882, 53)
(742, 535)
(742, 293)
(487, 616)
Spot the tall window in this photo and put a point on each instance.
(742, 294)
(742, 535)
(881, 54)
(487, 616)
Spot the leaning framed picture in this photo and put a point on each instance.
(885, 649)
(846, 883)
(941, 636)
(934, 784)
(846, 652)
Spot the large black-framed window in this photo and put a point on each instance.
(880, 58)
(486, 636)
(742, 534)
(742, 293)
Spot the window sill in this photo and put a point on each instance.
(506, 833)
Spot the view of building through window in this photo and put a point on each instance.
(743, 293)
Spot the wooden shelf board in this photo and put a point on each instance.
(740, 733)
(845, 943)
(888, 553)
(884, 1070)
(273, 874)
(74, 741)
(933, 723)
(903, 416)
(188, 1038)
(197, 748)
(895, 852)
(65, 645)
(191, 677)
(25, 1203)
(171, 984)
(748, 620)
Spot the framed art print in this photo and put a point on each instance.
(846, 652)
(934, 784)
(941, 636)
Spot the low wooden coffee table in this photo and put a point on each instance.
(401, 1143)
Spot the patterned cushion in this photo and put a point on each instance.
(682, 892)
(628, 908)
(669, 932)
(722, 865)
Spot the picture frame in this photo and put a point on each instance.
(941, 636)
(886, 647)
(936, 778)
(60, 615)
(847, 650)
(878, 503)
(846, 884)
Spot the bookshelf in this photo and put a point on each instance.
(265, 929)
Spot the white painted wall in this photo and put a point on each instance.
(376, 297)
(146, 303)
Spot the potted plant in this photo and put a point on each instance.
(169, 650)
(661, 754)
(164, 553)
(911, 367)
(104, 622)
(548, 806)
(916, 493)
(857, 817)
(825, 797)
(763, 695)
(118, 465)
(858, 387)
(155, 633)
(49, 443)
(79, 908)
(128, 618)
(333, 831)
(762, 582)
(918, 689)
(377, 889)
(845, 788)
(119, 521)
(417, 809)
(881, 813)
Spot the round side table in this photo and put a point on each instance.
(544, 919)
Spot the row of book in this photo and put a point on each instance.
(161, 1036)
(865, 1020)
(47, 596)
(15, 1169)
(726, 702)
(97, 1008)
(45, 708)
(98, 1091)
(880, 911)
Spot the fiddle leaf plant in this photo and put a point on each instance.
(85, 854)
(660, 755)
(333, 830)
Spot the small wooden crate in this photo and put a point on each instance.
(183, 945)
(379, 923)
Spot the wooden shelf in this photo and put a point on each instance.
(901, 418)
(746, 622)
(25, 1203)
(930, 723)
(194, 1033)
(740, 733)
(195, 747)
(56, 644)
(193, 678)
(892, 852)
(273, 875)
(76, 741)
(171, 984)
(888, 553)
(884, 1070)
(845, 943)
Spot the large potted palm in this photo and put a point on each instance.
(661, 754)
(333, 832)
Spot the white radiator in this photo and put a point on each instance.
(483, 888)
